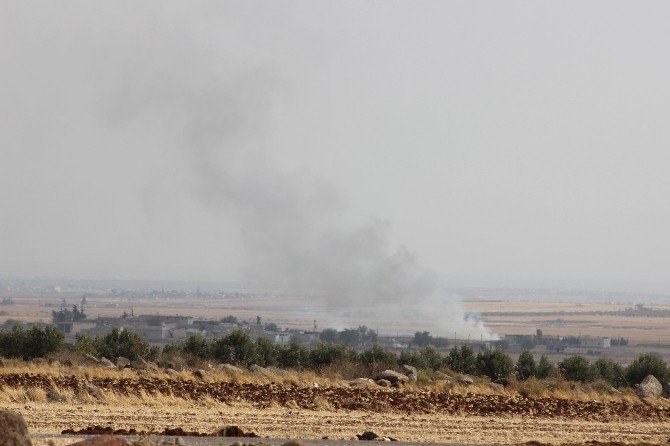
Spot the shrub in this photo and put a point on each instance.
(462, 360)
(495, 364)
(525, 365)
(544, 369)
(122, 343)
(295, 356)
(377, 357)
(27, 344)
(197, 346)
(85, 345)
(610, 371)
(266, 353)
(647, 364)
(577, 368)
(236, 348)
(327, 354)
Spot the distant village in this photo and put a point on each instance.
(165, 329)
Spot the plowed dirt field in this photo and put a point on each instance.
(337, 412)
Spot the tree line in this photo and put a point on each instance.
(239, 349)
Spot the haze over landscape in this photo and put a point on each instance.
(516, 143)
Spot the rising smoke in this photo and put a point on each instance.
(290, 222)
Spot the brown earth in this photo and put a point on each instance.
(283, 410)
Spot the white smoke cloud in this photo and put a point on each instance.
(290, 223)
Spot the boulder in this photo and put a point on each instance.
(138, 364)
(393, 376)
(40, 361)
(384, 383)
(13, 429)
(171, 371)
(411, 372)
(368, 436)
(200, 374)
(122, 362)
(55, 364)
(68, 363)
(466, 380)
(650, 387)
(91, 359)
(3, 361)
(496, 386)
(231, 368)
(106, 363)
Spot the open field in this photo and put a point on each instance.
(308, 406)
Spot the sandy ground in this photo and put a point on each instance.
(44, 418)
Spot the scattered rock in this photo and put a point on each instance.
(106, 363)
(368, 436)
(3, 361)
(361, 382)
(261, 371)
(650, 387)
(138, 364)
(411, 372)
(152, 366)
(91, 359)
(393, 376)
(104, 440)
(13, 429)
(55, 363)
(466, 380)
(384, 383)
(171, 371)
(122, 362)
(496, 386)
(234, 431)
(231, 368)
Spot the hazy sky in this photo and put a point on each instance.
(507, 140)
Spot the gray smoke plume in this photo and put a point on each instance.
(290, 222)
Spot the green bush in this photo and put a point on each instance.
(495, 364)
(122, 343)
(577, 368)
(327, 354)
(647, 364)
(295, 356)
(525, 365)
(33, 343)
(544, 369)
(462, 360)
(196, 345)
(610, 371)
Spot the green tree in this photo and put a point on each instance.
(266, 353)
(85, 345)
(648, 364)
(577, 368)
(196, 345)
(610, 371)
(462, 360)
(329, 336)
(525, 365)
(124, 343)
(495, 364)
(545, 369)
(236, 347)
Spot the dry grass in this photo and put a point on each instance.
(428, 381)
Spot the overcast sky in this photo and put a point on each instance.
(506, 140)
